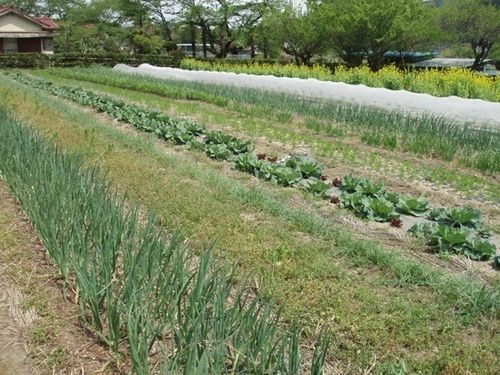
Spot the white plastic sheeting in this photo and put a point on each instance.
(454, 108)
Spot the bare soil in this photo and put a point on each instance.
(14, 359)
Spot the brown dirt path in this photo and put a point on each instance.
(14, 359)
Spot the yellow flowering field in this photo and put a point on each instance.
(278, 70)
(458, 82)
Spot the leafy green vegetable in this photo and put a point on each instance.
(164, 131)
(436, 214)
(306, 165)
(463, 217)
(483, 248)
(447, 237)
(267, 169)
(218, 151)
(412, 206)
(238, 146)
(356, 202)
(317, 187)
(422, 230)
(392, 197)
(496, 261)
(350, 183)
(235, 145)
(249, 163)
(191, 127)
(218, 137)
(196, 144)
(286, 176)
(454, 240)
(182, 137)
(275, 172)
(370, 189)
(377, 209)
(381, 210)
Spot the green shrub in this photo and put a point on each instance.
(38, 60)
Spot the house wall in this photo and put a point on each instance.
(14, 23)
(29, 45)
(48, 46)
(9, 45)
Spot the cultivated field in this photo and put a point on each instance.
(203, 229)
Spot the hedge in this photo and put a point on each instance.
(37, 60)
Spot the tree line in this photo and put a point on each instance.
(352, 31)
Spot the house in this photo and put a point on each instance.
(20, 32)
(237, 54)
(187, 48)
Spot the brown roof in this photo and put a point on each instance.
(46, 23)
(49, 22)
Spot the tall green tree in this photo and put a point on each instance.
(62, 9)
(366, 28)
(303, 33)
(28, 6)
(192, 16)
(134, 12)
(222, 23)
(252, 23)
(89, 26)
(161, 11)
(475, 22)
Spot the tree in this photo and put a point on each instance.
(417, 30)
(190, 14)
(223, 23)
(161, 11)
(475, 22)
(149, 44)
(88, 26)
(134, 12)
(251, 19)
(62, 9)
(302, 33)
(266, 32)
(364, 28)
(27, 6)
(54, 8)
(348, 36)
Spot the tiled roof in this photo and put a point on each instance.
(49, 22)
(46, 23)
